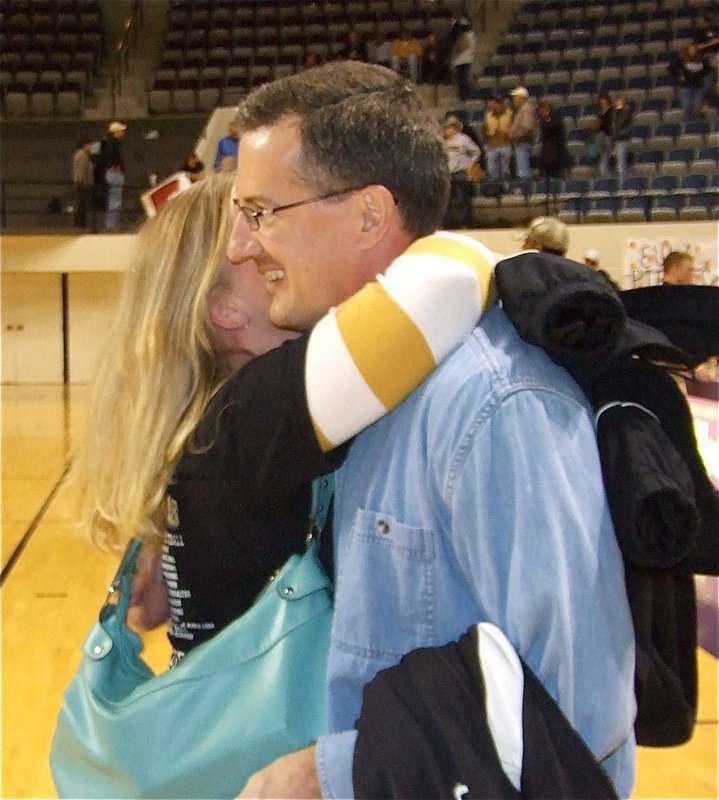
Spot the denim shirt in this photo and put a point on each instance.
(480, 498)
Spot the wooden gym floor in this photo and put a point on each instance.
(53, 583)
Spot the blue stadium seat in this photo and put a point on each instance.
(574, 188)
(603, 209)
(693, 184)
(633, 184)
(707, 160)
(698, 206)
(664, 135)
(677, 161)
(647, 161)
(663, 184)
(665, 207)
(572, 210)
(604, 187)
(633, 209)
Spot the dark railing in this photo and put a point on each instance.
(121, 51)
(50, 206)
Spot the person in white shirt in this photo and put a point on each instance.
(463, 153)
(462, 54)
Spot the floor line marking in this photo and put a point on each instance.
(22, 544)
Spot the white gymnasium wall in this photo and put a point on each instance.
(32, 266)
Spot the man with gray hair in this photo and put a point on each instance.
(480, 498)
(546, 234)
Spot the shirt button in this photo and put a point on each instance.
(383, 526)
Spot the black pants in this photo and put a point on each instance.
(459, 210)
(463, 71)
(83, 199)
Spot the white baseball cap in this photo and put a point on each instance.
(593, 256)
(520, 91)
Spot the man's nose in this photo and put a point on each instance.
(242, 244)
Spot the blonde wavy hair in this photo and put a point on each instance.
(157, 371)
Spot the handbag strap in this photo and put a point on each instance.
(122, 581)
(322, 490)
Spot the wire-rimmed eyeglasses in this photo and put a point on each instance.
(254, 215)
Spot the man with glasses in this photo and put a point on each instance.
(479, 498)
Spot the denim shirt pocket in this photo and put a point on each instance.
(385, 597)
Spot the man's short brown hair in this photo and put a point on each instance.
(361, 124)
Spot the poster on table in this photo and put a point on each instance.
(643, 259)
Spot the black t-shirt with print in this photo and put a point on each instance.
(239, 500)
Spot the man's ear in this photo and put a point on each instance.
(226, 312)
(379, 210)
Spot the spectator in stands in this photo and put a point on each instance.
(622, 117)
(227, 146)
(523, 131)
(690, 71)
(108, 155)
(111, 148)
(706, 35)
(193, 167)
(82, 179)
(312, 59)
(706, 38)
(464, 43)
(592, 258)
(495, 131)
(599, 146)
(462, 151)
(554, 156)
(678, 269)
(406, 54)
(547, 234)
(463, 156)
(434, 62)
(115, 179)
(379, 49)
(354, 49)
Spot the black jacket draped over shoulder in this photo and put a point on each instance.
(663, 504)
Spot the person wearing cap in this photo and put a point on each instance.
(463, 154)
(523, 130)
(107, 157)
(591, 258)
(462, 151)
(548, 235)
(495, 129)
(111, 144)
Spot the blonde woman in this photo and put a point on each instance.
(210, 452)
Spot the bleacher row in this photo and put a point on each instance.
(661, 143)
(567, 51)
(637, 198)
(49, 55)
(215, 52)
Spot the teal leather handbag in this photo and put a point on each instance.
(253, 692)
